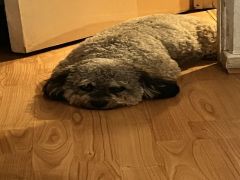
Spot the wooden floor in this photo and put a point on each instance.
(194, 136)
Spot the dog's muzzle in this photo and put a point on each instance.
(99, 104)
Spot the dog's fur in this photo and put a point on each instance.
(137, 59)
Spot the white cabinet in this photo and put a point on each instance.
(37, 24)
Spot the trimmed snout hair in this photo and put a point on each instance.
(135, 60)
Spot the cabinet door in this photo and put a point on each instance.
(38, 24)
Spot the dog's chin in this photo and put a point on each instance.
(111, 104)
(95, 104)
(107, 107)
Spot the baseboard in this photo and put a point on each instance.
(231, 62)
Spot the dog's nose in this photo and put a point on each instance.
(99, 103)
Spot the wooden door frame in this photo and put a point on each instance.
(229, 34)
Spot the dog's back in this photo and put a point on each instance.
(185, 37)
(181, 37)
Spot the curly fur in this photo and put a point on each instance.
(140, 58)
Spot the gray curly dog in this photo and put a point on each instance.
(135, 60)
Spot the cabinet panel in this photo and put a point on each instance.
(35, 24)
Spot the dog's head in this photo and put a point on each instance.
(106, 84)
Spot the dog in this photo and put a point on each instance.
(135, 60)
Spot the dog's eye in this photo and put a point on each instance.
(116, 89)
(87, 87)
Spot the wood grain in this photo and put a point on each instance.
(194, 136)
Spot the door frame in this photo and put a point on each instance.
(229, 34)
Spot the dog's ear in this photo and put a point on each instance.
(156, 88)
(53, 89)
